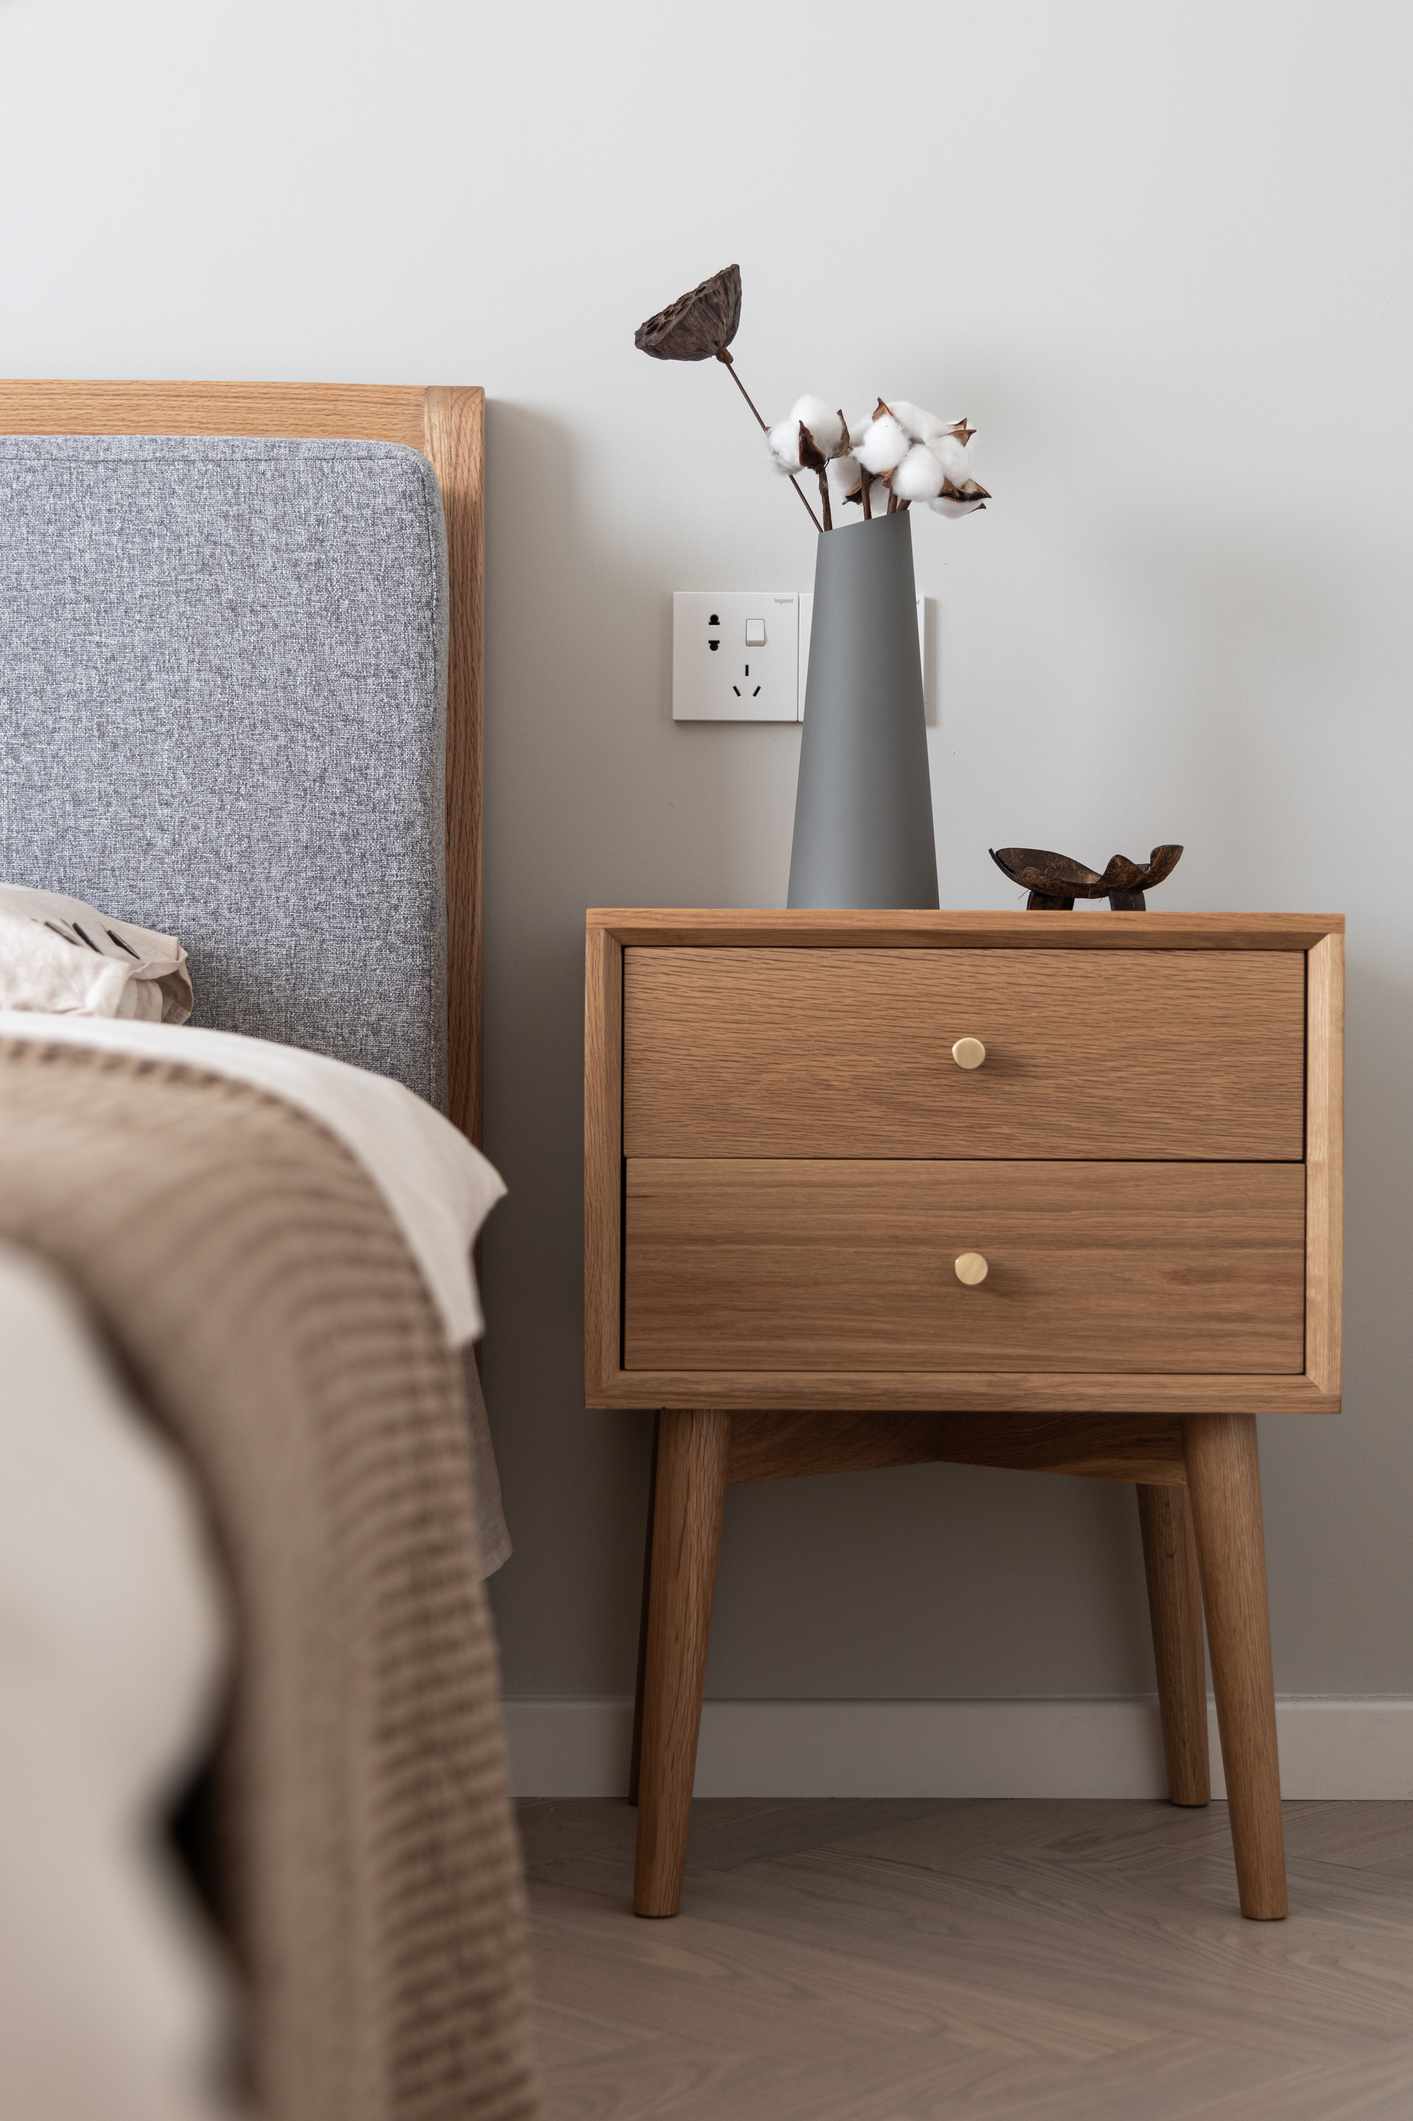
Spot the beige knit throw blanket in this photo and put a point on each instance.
(250, 1278)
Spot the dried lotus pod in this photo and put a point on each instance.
(698, 325)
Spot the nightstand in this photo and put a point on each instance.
(1055, 1190)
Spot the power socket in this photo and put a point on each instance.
(735, 656)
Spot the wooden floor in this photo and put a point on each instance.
(890, 1961)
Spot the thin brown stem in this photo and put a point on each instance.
(892, 502)
(730, 366)
(864, 494)
(824, 500)
(735, 375)
(805, 502)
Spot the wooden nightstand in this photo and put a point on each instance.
(1056, 1190)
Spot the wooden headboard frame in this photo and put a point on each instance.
(447, 425)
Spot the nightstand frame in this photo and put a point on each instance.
(1188, 1442)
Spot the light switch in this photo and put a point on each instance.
(755, 633)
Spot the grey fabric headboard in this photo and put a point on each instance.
(222, 713)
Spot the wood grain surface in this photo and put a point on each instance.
(1324, 1163)
(349, 411)
(791, 1264)
(635, 1756)
(666, 927)
(454, 441)
(766, 1446)
(1224, 1488)
(690, 1491)
(447, 426)
(1040, 1389)
(767, 1052)
(968, 1391)
(603, 1160)
(1175, 1610)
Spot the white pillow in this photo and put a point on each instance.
(59, 955)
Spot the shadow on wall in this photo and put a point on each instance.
(579, 694)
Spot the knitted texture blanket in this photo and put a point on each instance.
(251, 1282)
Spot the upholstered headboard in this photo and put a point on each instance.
(224, 701)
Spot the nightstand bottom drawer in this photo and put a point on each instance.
(796, 1264)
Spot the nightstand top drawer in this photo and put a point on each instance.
(964, 1053)
(751, 1265)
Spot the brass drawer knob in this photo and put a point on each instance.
(968, 1053)
(972, 1268)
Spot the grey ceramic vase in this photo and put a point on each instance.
(863, 809)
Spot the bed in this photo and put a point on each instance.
(240, 702)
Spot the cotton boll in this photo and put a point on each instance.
(954, 430)
(948, 505)
(919, 476)
(884, 445)
(784, 443)
(911, 418)
(948, 431)
(823, 422)
(845, 478)
(878, 498)
(952, 456)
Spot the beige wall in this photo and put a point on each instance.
(1158, 254)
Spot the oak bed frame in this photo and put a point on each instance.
(446, 424)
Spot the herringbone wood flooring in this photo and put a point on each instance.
(881, 1961)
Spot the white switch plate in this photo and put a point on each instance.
(807, 622)
(716, 677)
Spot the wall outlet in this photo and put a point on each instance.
(807, 621)
(735, 656)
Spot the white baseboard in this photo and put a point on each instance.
(1329, 1746)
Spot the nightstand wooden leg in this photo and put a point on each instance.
(1224, 1484)
(635, 1760)
(690, 1493)
(1175, 1609)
